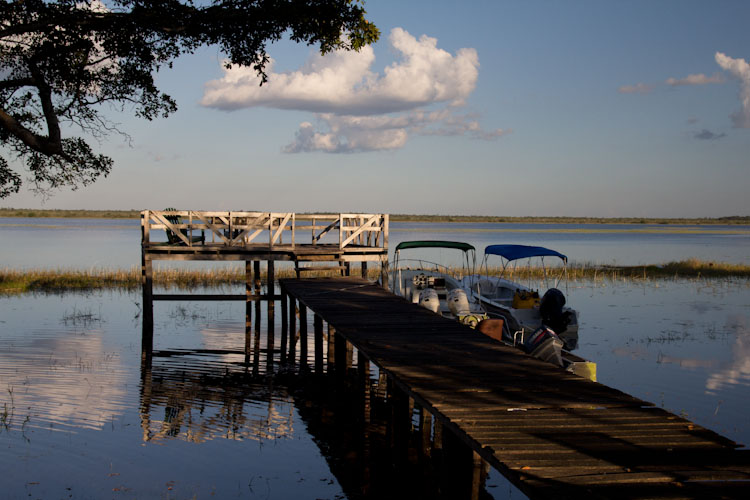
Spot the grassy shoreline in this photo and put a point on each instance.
(13, 281)
(135, 214)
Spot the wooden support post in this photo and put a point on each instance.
(437, 437)
(284, 324)
(147, 344)
(363, 371)
(318, 334)
(477, 475)
(147, 335)
(291, 358)
(248, 309)
(256, 272)
(271, 320)
(425, 430)
(340, 354)
(364, 270)
(331, 348)
(384, 272)
(302, 337)
(400, 423)
(292, 322)
(382, 384)
(256, 293)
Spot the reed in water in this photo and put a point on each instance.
(54, 280)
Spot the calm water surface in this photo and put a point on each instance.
(86, 243)
(84, 419)
(80, 417)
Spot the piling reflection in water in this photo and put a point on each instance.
(194, 401)
(379, 445)
(377, 442)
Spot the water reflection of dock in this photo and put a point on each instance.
(184, 399)
(447, 388)
(551, 433)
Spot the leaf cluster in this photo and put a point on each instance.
(63, 63)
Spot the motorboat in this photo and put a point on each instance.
(448, 292)
(545, 326)
(543, 344)
(435, 286)
(521, 307)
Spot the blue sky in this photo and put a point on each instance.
(579, 108)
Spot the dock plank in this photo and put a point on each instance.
(553, 434)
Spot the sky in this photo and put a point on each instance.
(509, 108)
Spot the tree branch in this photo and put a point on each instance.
(50, 116)
(16, 83)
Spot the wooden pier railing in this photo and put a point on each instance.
(314, 243)
(191, 228)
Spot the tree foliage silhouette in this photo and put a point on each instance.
(63, 63)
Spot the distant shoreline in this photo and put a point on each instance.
(135, 214)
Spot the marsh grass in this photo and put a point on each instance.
(14, 281)
(690, 268)
(81, 318)
(57, 280)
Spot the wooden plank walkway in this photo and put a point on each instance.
(553, 434)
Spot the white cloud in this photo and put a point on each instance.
(350, 134)
(697, 79)
(638, 88)
(740, 69)
(342, 82)
(358, 109)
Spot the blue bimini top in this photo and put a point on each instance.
(515, 252)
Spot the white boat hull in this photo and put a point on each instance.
(496, 297)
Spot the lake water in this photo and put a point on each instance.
(87, 243)
(82, 418)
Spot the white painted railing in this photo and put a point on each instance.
(239, 229)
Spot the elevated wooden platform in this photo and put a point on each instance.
(314, 242)
(270, 236)
(553, 434)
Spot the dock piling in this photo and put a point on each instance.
(284, 323)
(318, 339)
(271, 313)
(303, 337)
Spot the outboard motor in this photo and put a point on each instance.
(551, 310)
(544, 344)
(429, 298)
(458, 303)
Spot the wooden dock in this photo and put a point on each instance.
(263, 236)
(312, 242)
(551, 433)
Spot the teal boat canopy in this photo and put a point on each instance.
(515, 252)
(458, 245)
